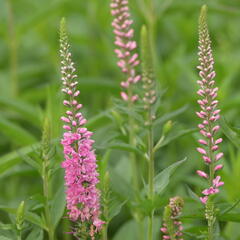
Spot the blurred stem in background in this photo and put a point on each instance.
(13, 50)
(46, 176)
(106, 196)
(149, 98)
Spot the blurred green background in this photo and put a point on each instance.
(30, 86)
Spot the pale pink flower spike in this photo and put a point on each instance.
(124, 34)
(209, 113)
(81, 176)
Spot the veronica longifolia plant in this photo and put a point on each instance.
(81, 176)
(128, 60)
(209, 115)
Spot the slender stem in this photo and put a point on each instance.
(132, 141)
(105, 192)
(150, 173)
(46, 195)
(13, 46)
(19, 237)
(134, 166)
(104, 232)
(210, 204)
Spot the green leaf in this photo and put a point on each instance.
(130, 230)
(122, 146)
(230, 134)
(6, 226)
(36, 234)
(29, 216)
(58, 206)
(171, 115)
(35, 219)
(17, 134)
(120, 186)
(193, 195)
(13, 158)
(4, 238)
(99, 120)
(230, 217)
(162, 179)
(230, 208)
(26, 110)
(171, 137)
(115, 208)
(32, 162)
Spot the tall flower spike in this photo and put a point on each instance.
(209, 113)
(148, 78)
(128, 60)
(172, 226)
(81, 177)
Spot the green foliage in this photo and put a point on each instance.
(173, 41)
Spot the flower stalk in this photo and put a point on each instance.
(46, 176)
(81, 176)
(128, 60)
(149, 98)
(209, 115)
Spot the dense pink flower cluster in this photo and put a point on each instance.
(128, 60)
(80, 165)
(175, 206)
(209, 113)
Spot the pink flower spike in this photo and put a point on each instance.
(202, 174)
(202, 151)
(79, 106)
(134, 98)
(207, 159)
(166, 237)
(210, 191)
(69, 113)
(208, 104)
(124, 34)
(124, 96)
(76, 93)
(214, 148)
(163, 229)
(65, 119)
(219, 156)
(219, 140)
(217, 183)
(218, 167)
(65, 102)
(204, 199)
(199, 115)
(66, 127)
(80, 164)
(201, 126)
(216, 128)
(201, 141)
(124, 84)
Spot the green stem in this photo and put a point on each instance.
(19, 235)
(210, 205)
(132, 142)
(134, 166)
(104, 232)
(13, 46)
(46, 195)
(150, 173)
